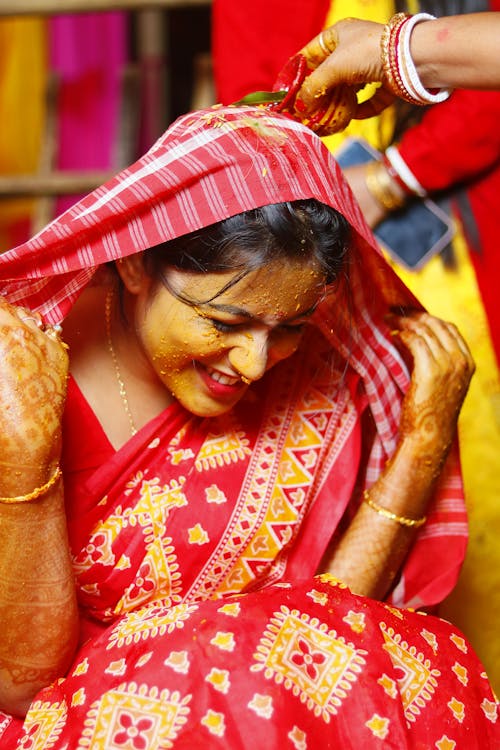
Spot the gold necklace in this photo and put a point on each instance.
(121, 384)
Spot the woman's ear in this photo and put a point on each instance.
(132, 273)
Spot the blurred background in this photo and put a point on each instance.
(82, 94)
(85, 88)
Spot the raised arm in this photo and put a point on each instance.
(372, 550)
(38, 612)
(449, 52)
(458, 51)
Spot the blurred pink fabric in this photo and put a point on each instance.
(88, 52)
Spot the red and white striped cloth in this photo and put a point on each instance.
(213, 164)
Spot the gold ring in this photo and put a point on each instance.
(326, 48)
(322, 44)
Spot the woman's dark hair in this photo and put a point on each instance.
(304, 229)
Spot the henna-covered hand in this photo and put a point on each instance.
(442, 369)
(33, 375)
(371, 551)
(354, 60)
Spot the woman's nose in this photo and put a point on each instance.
(250, 355)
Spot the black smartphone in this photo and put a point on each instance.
(413, 234)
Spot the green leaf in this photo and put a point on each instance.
(261, 97)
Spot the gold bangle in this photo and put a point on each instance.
(382, 187)
(414, 523)
(36, 492)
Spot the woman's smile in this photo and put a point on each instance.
(219, 382)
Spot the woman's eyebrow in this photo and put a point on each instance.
(241, 312)
(230, 309)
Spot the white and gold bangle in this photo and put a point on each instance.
(404, 172)
(407, 68)
(400, 73)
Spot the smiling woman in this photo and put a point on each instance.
(210, 450)
(205, 353)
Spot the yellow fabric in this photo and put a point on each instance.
(376, 130)
(474, 606)
(23, 73)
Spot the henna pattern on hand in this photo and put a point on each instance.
(442, 371)
(32, 392)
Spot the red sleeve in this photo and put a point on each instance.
(251, 41)
(456, 141)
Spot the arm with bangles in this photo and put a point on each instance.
(425, 162)
(371, 552)
(39, 616)
(426, 159)
(448, 52)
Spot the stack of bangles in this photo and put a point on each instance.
(383, 187)
(36, 493)
(400, 73)
(391, 182)
(410, 523)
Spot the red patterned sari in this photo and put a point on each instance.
(193, 512)
(193, 508)
(303, 667)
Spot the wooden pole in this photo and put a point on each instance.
(152, 59)
(55, 183)
(53, 7)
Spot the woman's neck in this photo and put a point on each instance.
(109, 367)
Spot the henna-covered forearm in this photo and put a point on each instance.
(369, 555)
(38, 611)
(39, 617)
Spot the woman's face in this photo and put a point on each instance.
(206, 355)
